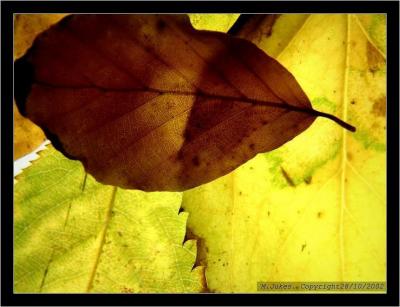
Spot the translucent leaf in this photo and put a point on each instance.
(314, 209)
(73, 234)
(27, 136)
(148, 102)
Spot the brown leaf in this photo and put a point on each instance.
(147, 102)
(27, 136)
(253, 27)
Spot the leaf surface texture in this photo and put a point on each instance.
(314, 209)
(147, 102)
(74, 235)
(27, 135)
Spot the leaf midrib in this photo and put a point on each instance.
(255, 102)
(102, 240)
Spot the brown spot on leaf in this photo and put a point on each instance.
(303, 247)
(374, 58)
(308, 179)
(161, 25)
(127, 290)
(353, 101)
(375, 125)
(287, 177)
(349, 156)
(379, 107)
(196, 161)
(320, 214)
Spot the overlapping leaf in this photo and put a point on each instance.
(28, 136)
(311, 210)
(314, 209)
(146, 101)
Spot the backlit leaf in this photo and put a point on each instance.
(28, 26)
(314, 209)
(27, 135)
(147, 102)
(73, 234)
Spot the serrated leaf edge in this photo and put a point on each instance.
(26, 161)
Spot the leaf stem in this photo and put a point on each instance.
(336, 120)
(243, 20)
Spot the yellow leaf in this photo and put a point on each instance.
(314, 209)
(27, 135)
(213, 22)
(27, 26)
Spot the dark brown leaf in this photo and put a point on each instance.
(254, 26)
(147, 102)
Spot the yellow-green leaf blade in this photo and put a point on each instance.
(76, 235)
(314, 209)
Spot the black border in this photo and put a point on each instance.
(389, 7)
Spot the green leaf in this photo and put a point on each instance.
(75, 235)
